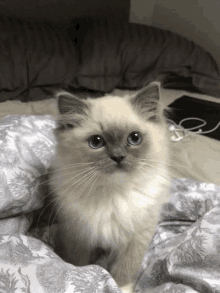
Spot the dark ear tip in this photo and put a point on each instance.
(154, 84)
(151, 88)
(62, 102)
(70, 103)
(64, 96)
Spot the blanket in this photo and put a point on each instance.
(183, 255)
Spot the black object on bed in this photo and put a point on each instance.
(198, 115)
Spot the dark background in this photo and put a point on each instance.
(63, 11)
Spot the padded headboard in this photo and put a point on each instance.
(99, 56)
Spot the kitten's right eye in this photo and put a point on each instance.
(96, 142)
(135, 138)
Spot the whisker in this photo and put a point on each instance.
(144, 167)
(94, 183)
(159, 161)
(52, 191)
(70, 193)
(61, 187)
(164, 184)
(156, 167)
(66, 197)
(104, 189)
(83, 177)
(86, 176)
(55, 216)
(172, 172)
(44, 210)
(149, 195)
(89, 180)
(52, 214)
(64, 174)
(162, 175)
(168, 179)
(63, 201)
(67, 167)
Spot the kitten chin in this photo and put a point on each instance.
(112, 153)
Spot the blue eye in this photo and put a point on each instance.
(134, 138)
(96, 142)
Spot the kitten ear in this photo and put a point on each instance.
(70, 104)
(73, 111)
(146, 101)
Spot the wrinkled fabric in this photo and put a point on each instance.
(97, 55)
(28, 265)
(183, 255)
(27, 145)
(122, 55)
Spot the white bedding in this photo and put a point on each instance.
(200, 155)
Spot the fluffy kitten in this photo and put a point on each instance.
(110, 179)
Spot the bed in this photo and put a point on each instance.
(35, 59)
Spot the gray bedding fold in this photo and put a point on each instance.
(182, 257)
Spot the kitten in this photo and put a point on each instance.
(111, 178)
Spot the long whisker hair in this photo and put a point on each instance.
(61, 175)
(90, 170)
(74, 165)
(165, 177)
(91, 176)
(172, 167)
(166, 162)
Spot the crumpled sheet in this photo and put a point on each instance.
(183, 256)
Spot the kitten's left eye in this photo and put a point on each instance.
(96, 142)
(134, 138)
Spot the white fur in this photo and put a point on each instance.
(112, 208)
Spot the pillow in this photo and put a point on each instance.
(34, 56)
(125, 55)
(97, 55)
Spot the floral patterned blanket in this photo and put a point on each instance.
(184, 254)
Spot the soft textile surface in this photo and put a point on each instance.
(182, 257)
(98, 56)
(14, 107)
(184, 253)
(27, 145)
